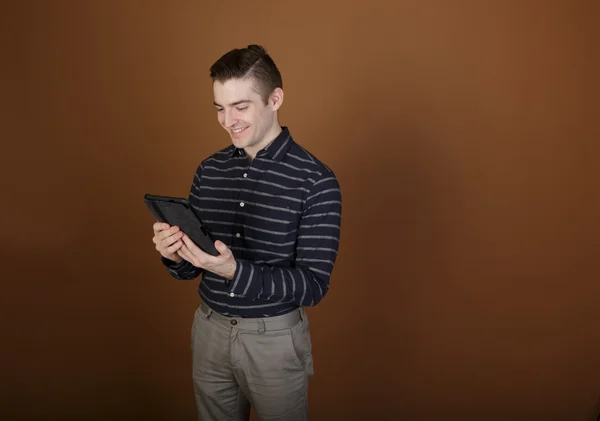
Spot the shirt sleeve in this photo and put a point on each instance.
(184, 270)
(307, 282)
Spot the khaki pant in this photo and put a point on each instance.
(260, 362)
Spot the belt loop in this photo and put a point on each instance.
(261, 325)
(208, 310)
(302, 314)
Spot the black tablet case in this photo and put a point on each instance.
(179, 212)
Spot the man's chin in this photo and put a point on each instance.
(241, 141)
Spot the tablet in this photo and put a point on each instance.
(178, 211)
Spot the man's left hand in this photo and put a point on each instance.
(223, 265)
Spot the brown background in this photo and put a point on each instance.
(464, 135)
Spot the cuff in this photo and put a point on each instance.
(178, 269)
(244, 280)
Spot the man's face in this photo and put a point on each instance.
(242, 112)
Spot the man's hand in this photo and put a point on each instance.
(223, 265)
(168, 240)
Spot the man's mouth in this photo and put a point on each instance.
(241, 129)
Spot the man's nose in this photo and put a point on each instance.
(229, 119)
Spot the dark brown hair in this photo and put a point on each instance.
(251, 62)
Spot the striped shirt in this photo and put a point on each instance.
(280, 215)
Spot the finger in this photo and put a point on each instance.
(160, 226)
(180, 254)
(171, 231)
(222, 248)
(169, 241)
(174, 247)
(159, 231)
(184, 252)
(193, 248)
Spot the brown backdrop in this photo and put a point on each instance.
(464, 137)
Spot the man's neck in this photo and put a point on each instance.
(269, 137)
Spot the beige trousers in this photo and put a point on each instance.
(260, 362)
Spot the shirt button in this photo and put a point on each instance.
(231, 294)
(242, 204)
(245, 175)
(238, 235)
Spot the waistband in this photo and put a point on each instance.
(257, 324)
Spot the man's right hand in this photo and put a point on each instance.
(168, 240)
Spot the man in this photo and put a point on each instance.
(275, 212)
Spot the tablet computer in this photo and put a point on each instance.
(178, 211)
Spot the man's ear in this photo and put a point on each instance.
(276, 99)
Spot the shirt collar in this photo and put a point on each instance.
(276, 150)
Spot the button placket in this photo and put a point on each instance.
(245, 182)
(238, 219)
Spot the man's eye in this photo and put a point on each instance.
(241, 108)
(219, 110)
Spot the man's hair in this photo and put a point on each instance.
(251, 62)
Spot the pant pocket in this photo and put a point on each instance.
(302, 346)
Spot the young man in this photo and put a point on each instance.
(275, 212)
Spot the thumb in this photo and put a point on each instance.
(221, 247)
